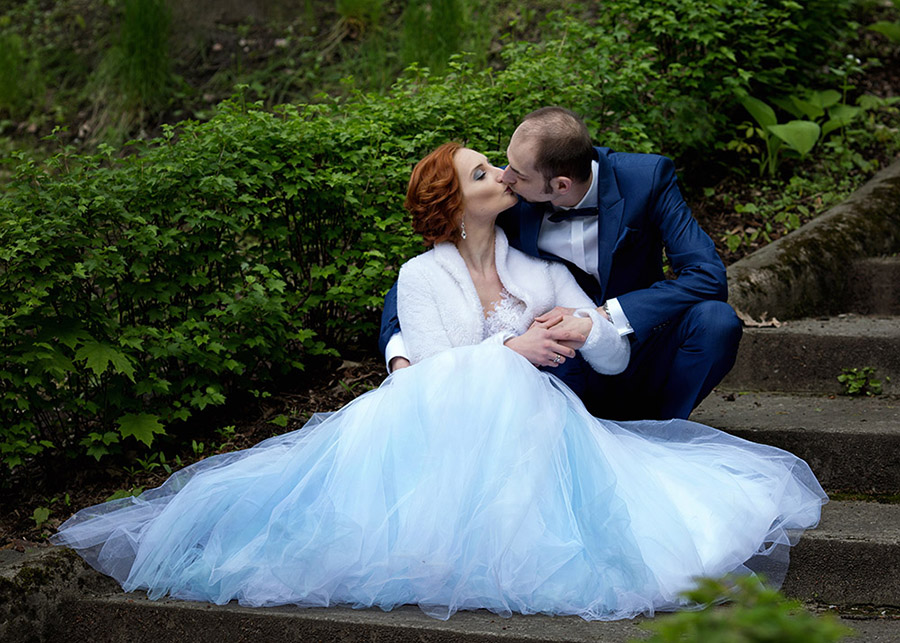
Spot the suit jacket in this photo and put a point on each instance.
(641, 213)
(439, 307)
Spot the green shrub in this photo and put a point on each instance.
(755, 615)
(710, 52)
(136, 290)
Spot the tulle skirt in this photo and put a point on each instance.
(470, 480)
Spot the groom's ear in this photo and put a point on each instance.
(561, 184)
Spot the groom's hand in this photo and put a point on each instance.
(543, 343)
(581, 326)
(557, 313)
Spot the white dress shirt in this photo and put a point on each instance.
(576, 239)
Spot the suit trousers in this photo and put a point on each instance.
(670, 372)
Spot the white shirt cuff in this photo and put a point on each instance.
(395, 348)
(618, 318)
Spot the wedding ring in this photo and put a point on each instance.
(556, 359)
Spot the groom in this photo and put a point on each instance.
(608, 216)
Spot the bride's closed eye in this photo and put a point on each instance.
(479, 174)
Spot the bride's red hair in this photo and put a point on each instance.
(434, 197)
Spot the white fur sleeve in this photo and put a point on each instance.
(605, 350)
(418, 310)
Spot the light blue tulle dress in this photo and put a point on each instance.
(470, 480)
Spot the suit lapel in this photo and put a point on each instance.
(611, 206)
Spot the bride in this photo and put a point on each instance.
(471, 479)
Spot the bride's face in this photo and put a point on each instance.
(484, 195)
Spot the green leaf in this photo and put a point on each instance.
(801, 136)
(40, 515)
(824, 99)
(889, 29)
(809, 109)
(126, 493)
(141, 426)
(763, 114)
(99, 356)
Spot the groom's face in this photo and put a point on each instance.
(520, 175)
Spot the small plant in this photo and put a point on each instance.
(432, 32)
(20, 79)
(756, 615)
(42, 514)
(126, 493)
(801, 134)
(860, 381)
(137, 68)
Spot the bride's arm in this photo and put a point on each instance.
(420, 302)
(605, 350)
(418, 309)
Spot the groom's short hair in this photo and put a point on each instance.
(564, 145)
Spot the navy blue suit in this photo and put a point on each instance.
(685, 336)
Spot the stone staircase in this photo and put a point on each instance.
(783, 391)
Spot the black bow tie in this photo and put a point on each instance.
(563, 215)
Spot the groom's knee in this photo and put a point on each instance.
(714, 327)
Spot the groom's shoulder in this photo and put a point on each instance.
(626, 160)
(636, 166)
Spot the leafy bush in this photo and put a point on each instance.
(756, 615)
(710, 52)
(136, 290)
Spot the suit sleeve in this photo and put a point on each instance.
(700, 273)
(390, 323)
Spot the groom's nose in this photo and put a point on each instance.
(508, 176)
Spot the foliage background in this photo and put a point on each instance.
(145, 283)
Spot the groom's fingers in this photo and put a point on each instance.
(556, 313)
(546, 320)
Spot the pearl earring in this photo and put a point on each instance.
(463, 228)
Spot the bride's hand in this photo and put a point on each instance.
(542, 344)
(557, 313)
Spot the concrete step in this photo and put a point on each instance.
(851, 559)
(873, 287)
(851, 443)
(808, 355)
(115, 619)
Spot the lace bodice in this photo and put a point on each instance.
(507, 316)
